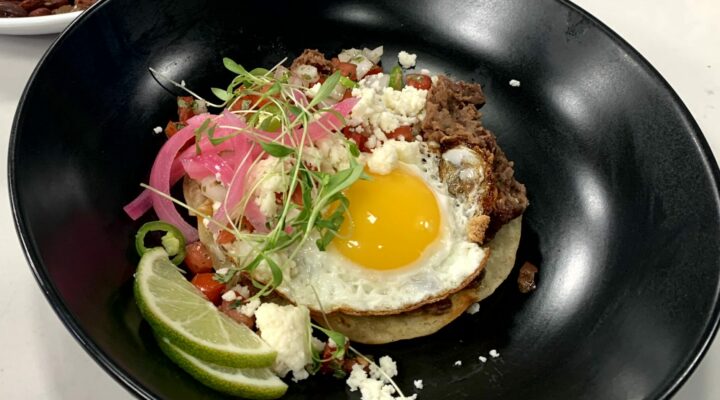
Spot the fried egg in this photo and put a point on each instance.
(402, 244)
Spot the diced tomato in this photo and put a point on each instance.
(246, 225)
(376, 69)
(252, 100)
(330, 364)
(185, 114)
(418, 81)
(357, 137)
(232, 312)
(172, 127)
(225, 237)
(185, 109)
(211, 288)
(346, 69)
(237, 105)
(404, 131)
(297, 196)
(197, 258)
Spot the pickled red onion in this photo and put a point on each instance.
(232, 169)
(160, 177)
(138, 207)
(207, 164)
(236, 187)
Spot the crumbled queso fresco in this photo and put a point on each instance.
(287, 330)
(376, 385)
(248, 309)
(386, 158)
(406, 59)
(386, 109)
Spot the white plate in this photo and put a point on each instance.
(36, 25)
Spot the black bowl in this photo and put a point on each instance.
(624, 221)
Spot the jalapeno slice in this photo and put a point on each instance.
(173, 240)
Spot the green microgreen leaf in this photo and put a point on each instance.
(218, 140)
(198, 134)
(227, 277)
(273, 90)
(295, 110)
(353, 148)
(259, 72)
(254, 263)
(337, 337)
(254, 119)
(276, 149)
(277, 275)
(283, 240)
(221, 94)
(271, 117)
(232, 66)
(325, 89)
(328, 227)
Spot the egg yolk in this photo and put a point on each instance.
(390, 222)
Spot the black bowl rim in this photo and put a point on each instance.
(669, 387)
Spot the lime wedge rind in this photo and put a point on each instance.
(160, 288)
(254, 383)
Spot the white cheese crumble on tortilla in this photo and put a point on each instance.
(249, 309)
(375, 386)
(287, 330)
(230, 295)
(406, 59)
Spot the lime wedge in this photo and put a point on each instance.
(251, 383)
(178, 311)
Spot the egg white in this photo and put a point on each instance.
(328, 280)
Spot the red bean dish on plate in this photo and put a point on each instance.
(37, 8)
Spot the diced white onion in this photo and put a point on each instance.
(348, 54)
(338, 92)
(363, 66)
(280, 71)
(213, 189)
(307, 73)
(373, 55)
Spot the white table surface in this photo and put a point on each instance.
(40, 360)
